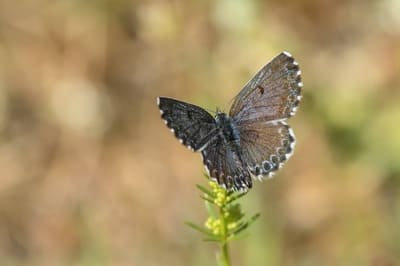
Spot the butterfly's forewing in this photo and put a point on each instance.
(192, 125)
(272, 94)
(266, 146)
(224, 165)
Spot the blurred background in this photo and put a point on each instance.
(90, 175)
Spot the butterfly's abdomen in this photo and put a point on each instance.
(228, 128)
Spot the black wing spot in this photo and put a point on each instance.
(267, 166)
(260, 89)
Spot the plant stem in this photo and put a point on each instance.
(225, 254)
(225, 259)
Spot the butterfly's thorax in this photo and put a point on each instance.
(227, 128)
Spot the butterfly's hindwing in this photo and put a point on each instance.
(192, 125)
(272, 94)
(266, 146)
(224, 165)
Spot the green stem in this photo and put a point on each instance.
(225, 259)
(225, 254)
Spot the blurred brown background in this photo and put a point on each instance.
(90, 175)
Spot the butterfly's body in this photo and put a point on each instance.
(254, 139)
(227, 129)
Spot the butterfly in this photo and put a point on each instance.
(253, 140)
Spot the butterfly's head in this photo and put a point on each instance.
(220, 116)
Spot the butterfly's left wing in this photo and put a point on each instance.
(192, 125)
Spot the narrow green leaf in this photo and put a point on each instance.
(205, 191)
(200, 229)
(240, 229)
(246, 224)
(236, 197)
(233, 231)
(254, 218)
(238, 236)
(207, 199)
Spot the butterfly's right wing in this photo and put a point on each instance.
(192, 125)
(260, 111)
